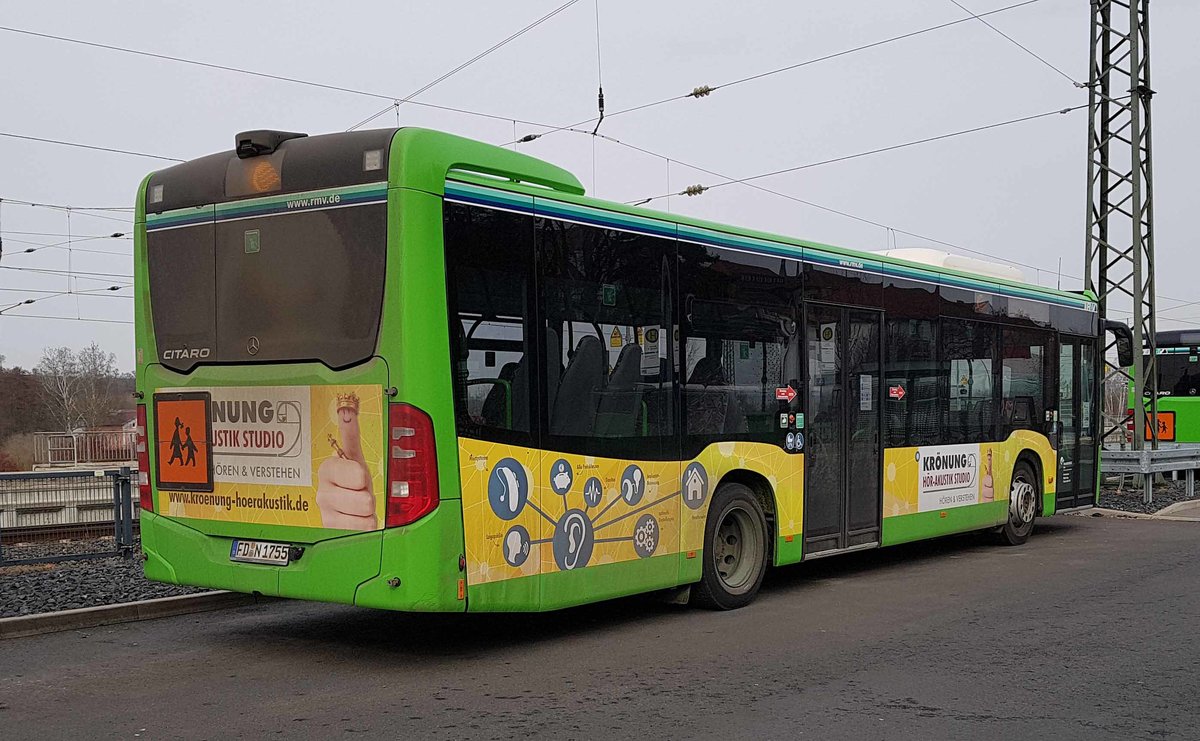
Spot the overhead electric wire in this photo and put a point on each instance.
(63, 234)
(1183, 305)
(828, 209)
(83, 274)
(600, 94)
(264, 75)
(698, 189)
(1180, 320)
(973, 16)
(106, 292)
(67, 318)
(706, 90)
(87, 292)
(445, 76)
(88, 146)
(66, 245)
(1050, 271)
(872, 222)
(65, 206)
(81, 211)
(1018, 44)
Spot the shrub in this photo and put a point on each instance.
(17, 453)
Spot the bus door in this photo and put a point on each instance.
(843, 453)
(1079, 415)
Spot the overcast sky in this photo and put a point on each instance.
(1017, 192)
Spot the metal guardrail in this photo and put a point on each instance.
(1149, 462)
(48, 516)
(84, 448)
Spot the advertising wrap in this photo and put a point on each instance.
(936, 478)
(529, 512)
(309, 456)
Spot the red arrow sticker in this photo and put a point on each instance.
(896, 392)
(786, 393)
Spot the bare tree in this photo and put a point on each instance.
(97, 383)
(58, 372)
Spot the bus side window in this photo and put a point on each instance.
(1026, 365)
(741, 343)
(606, 305)
(489, 264)
(913, 412)
(969, 352)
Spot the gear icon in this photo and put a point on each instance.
(645, 536)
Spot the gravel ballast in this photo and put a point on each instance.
(1166, 493)
(30, 589)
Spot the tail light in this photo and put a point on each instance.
(145, 496)
(1129, 424)
(412, 465)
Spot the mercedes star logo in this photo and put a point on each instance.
(252, 346)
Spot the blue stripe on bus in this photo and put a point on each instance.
(242, 212)
(171, 218)
(290, 203)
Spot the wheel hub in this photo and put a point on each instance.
(1023, 500)
(737, 550)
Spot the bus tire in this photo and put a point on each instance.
(1023, 495)
(735, 550)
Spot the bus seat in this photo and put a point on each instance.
(520, 400)
(712, 406)
(574, 411)
(554, 369)
(493, 409)
(708, 372)
(982, 416)
(619, 402)
(459, 354)
(1022, 413)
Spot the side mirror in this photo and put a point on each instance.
(1124, 338)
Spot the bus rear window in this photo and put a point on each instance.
(1179, 373)
(291, 286)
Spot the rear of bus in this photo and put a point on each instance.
(1178, 367)
(289, 376)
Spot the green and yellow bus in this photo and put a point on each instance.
(406, 370)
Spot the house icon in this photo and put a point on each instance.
(693, 485)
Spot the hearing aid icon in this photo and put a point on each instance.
(508, 489)
(512, 489)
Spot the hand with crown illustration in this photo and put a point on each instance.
(344, 492)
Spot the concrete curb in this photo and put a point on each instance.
(1112, 513)
(1162, 514)
(125, 612)
(1172, 509)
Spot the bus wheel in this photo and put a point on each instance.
(735, 550)
(1022, 505)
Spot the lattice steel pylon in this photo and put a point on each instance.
(1120, 217)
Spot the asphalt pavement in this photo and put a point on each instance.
(1088, 631)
